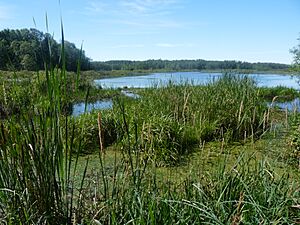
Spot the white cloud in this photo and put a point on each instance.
(129, 46)
(133, 33)
(134, 6)
(149, 7)
(150, 23)
(134, 16)
(171, 45)
(131, 7)
(165, 45)
(96, 7)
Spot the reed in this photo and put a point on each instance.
(36, 159)
(44, 181)
(248, 191)
(172, 119)
(281, 93)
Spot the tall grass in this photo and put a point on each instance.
(36, 184)
(37, 169)
(172, 119)
(40, 148)
(282, 94)
(247, 192)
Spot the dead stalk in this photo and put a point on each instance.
(100, 133)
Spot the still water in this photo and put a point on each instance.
(196, 78)
(79, 108)
(293, 105)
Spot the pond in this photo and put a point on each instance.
(195, 78)
(79, 108)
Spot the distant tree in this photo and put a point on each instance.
(28, 62)
(296, 52)
(199, 64)
(31, 49)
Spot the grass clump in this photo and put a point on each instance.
(248, 191)
(36, 150)
(231, 104)
(282, 94)
(87, 132)
(243, 195)
(20, 91)
(294, 139)
(172, 120)
(44, 181)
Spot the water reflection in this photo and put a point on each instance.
(79, 108)
(293, 105)
(130, 94)
(195, 78)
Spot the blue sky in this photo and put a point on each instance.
(246, 30)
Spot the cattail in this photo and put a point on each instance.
(4, 95)
(100, 133)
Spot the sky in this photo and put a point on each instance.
(244, 30)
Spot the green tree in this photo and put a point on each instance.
(28, 63)
(31, 49)
(296, 60)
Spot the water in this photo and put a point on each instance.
(78, 108)
(289, 105)
(130, 94)
(196, 78)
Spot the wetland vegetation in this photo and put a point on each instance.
(214, 153)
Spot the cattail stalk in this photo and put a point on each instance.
(100, 133)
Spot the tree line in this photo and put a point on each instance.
(198, 64)
(31, 49)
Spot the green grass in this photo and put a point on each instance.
(220, 147)
(172, 119)
(36, 153)
(212, 154)
(21, 91)
(279, 94)
(219, 184)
